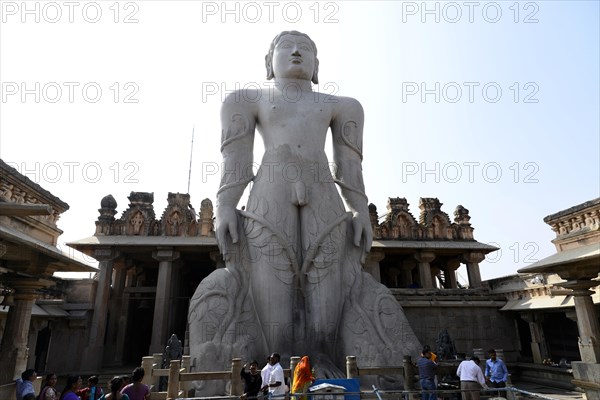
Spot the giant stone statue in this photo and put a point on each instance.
(293, 281)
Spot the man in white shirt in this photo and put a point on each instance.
(471, 378)
(275, 381)
(264, 374)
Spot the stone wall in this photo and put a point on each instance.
(66, 347)
(469, 326)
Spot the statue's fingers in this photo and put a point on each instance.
(233, 231)
(363, 258)
(220, 238)
(368, 239)
(222, 242)
(357, 233)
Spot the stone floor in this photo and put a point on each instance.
(548, 391)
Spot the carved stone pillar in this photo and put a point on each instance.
(92, 358)
(372, 264)
(450, 273)
(160, 326)
(423, 259)
(115, 306)
(587, 319)
(472, 259)
(407, 268)
(392, 277)
(34, 327)
(13, 350)
(572, 315)
(124, 312)
(539, 349)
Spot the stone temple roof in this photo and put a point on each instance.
(8, 171)
(572, 210)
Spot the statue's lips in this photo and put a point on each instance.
(296, 60)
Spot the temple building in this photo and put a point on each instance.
(150, 267)
(555, 301)
(34, 303)
(151, 263)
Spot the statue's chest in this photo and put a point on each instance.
(305, 113)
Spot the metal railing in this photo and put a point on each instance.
(380, 394)
(180, 381)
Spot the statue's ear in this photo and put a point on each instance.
(269, 65)
(315, 77)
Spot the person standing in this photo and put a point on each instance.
(71, 388)
(49, 392)
(92, 391)
(275, 379)
(252, 380)
(303, 378)
(137, 390)
(496, 372)
(264, 375)
(116, 384)
(427, 370)
(25, 384)
(471, 378)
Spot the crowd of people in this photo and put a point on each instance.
(120, 388)
(472, 377)
(269, 381)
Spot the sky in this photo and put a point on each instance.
(490, 105)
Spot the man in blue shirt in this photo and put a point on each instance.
(496, 373)
(25, 385)
(427, 374)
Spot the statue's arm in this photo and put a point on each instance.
(238, 121)
(347, 130)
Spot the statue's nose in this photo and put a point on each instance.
(296, 53)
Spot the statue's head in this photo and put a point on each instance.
(281, 39)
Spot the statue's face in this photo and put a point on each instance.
(294, 58)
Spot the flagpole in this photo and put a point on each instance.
(191, 153)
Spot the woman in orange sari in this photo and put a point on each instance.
(302, 378)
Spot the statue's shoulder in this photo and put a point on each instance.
(347, 106)
(244, 99)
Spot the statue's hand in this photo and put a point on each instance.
(226, 222)
(361, 225)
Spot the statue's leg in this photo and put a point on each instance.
(324, 225)
(271, 228)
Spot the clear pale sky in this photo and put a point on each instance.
(492, 105)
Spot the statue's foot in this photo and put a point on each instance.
(325, 368)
